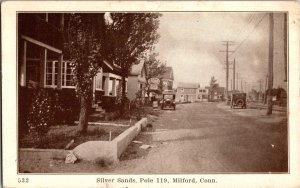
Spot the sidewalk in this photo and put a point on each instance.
(264, 106)
(256, 112)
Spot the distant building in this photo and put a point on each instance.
(167, 79)
(187, 92)
(217, 94)
(202, 94)
(137, 81)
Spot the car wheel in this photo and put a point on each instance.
(240, 103)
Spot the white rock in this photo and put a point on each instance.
(70, 158)
(137, 142)
(92, 150)
(145, 146)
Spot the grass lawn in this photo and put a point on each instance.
(59, 136)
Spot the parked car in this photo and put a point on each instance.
(168, 100)
(238, 100)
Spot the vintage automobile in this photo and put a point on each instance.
(238, 100)
(168, 100)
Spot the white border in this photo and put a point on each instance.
(9, 9)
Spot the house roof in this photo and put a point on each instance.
(168, 74)
(187, 85)
(136, 69)
(110, 67)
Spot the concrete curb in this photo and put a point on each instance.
(44, 153)
(109, 151)
(94, 151)
(105, 124)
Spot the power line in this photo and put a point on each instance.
(241, 29)
(250, 33)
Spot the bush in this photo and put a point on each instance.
(32, 108)
(67, 106)
(24, 103)
(109, 103)
(41, 113)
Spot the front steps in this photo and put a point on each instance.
(97, 114)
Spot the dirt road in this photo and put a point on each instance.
(210, 138)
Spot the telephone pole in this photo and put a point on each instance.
(241, 85)
(233, 75)
(260, 85)
(266, 87)
(260, 90)
(285, 45)
(227, 44)
(237, 81)
(270, 67)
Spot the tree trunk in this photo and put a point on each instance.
(83, 116)
(123, 97)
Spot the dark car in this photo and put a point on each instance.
(168, 100)
(238, 100)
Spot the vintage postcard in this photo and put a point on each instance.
(150, 94)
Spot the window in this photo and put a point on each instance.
(33, 70)
(182, 90)
(98, 81)
(52, 74)
(67, 75)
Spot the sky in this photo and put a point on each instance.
(191, 44)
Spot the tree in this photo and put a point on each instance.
(131, 35)
(154, 68)
(213, 86)
(84, 46)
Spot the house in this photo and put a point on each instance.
(137, 82)
(41, 61)
(167, 79)
(187, 92)
(216, 94)
(202, 94)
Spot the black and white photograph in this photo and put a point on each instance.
(148, 93)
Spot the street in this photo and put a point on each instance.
(211, 138)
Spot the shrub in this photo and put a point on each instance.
(67, 106)
(41, 113)
(24, 103)
(109, 103)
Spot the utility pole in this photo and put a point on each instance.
(237, 81)
(285, 45)
(266, 87)
(242, 85)
(227, 43)
(270, 67)
(260, 90)
(233, 75)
